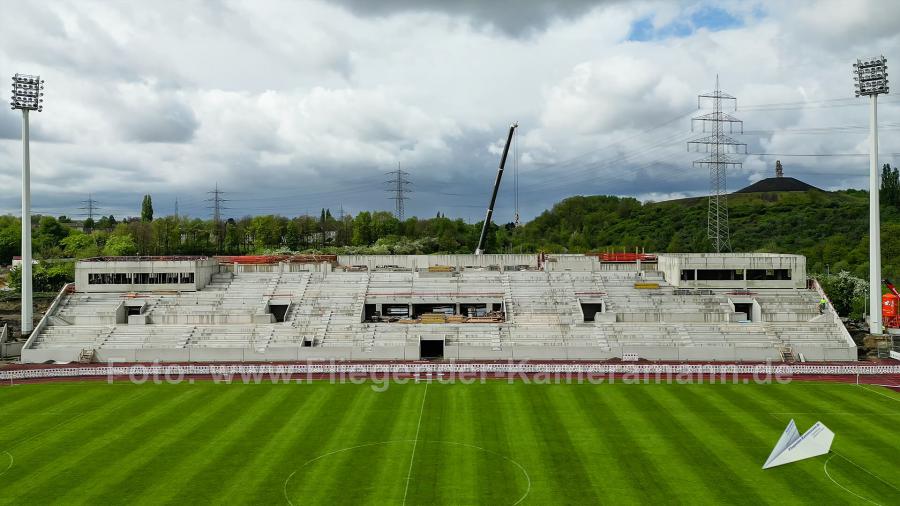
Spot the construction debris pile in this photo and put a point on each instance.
(491, 317)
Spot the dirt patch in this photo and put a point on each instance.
(11, 310)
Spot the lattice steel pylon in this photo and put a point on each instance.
(720, 146)
(399, 187)
(217, 209)
(90, 205)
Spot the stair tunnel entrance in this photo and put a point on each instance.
(431, 349)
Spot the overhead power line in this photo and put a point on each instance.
(719, 146)
(217, 209)
(820, 154)
(90, 206)
(399, 187)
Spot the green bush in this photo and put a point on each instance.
(45, 277)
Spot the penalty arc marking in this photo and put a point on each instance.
(518, 465)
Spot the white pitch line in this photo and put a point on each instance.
(825, 468)
(516, 463)
(11, 461)
(287, 480)
(880, 393)
(16, 444)
(831, 413)
(310, 461)
(415, 445)
(870, 473)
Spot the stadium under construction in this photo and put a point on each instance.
(667, 307)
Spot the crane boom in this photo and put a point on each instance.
(891, 287)
(490, 211)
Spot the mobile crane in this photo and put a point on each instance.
(479, 250)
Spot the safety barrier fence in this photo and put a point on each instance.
(442, 368)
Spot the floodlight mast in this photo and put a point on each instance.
(27, 95)
(871, 79)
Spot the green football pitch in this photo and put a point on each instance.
(419, 443)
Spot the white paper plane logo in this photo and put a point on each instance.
(793, 447)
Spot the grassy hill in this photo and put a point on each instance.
(829, 228)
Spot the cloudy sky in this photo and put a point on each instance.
(297, 105)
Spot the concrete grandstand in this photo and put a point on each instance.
(671, 307)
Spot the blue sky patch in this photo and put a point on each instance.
(709, 17)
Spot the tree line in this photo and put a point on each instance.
(829, 228)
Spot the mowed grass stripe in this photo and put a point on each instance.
(93, 453)
(475, 415)
(494, 417)
(875, 439)
(721, 479)
(306, 483)
(852, 440)
(752, 405)
(386, 479)
(644, 478)
(649, 434)
(40, 400)
(743, 445)
(194, 480)
(27, 425)
(220, 446)
(861, 402)
(890, 395)
(752, 428)
(846, 474)
(384, 416)
(872, 444)
(451, 417)
(462, 455)
(561, 470)
(445, 471)
(142, 462)
(311, 440)
(261, 480)
(599, 432)
(573, 422)
(856, 398)
(201, 444)
(34, 453)
(513, 442)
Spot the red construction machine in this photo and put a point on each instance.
(890, 306)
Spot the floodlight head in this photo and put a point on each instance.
(27, 92)
(870, 76)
